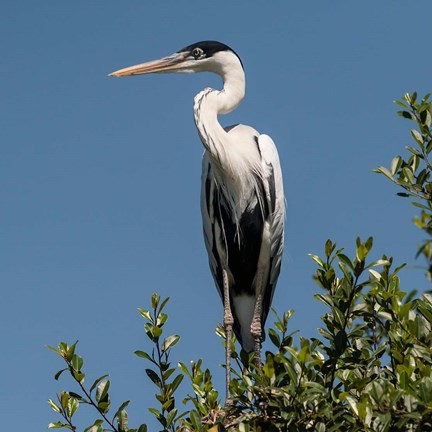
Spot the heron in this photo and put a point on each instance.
(242, 197)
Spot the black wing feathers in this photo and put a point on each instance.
(242, 244)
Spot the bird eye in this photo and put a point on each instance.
(197, 52)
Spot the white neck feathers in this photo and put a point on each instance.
(209, 103)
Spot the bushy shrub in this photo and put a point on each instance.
(370, 369)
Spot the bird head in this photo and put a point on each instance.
(206, 56)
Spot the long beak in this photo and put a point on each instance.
(171, 63)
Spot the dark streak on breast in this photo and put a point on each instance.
(257, 144)
(272, 189)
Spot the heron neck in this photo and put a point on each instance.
(209, 103)
(233, 92)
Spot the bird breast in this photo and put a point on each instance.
(238, 173)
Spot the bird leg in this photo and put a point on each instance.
(256, 327)
(228, 324)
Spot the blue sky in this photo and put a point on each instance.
(100, 177)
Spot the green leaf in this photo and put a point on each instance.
(422, 176)
(58, 425)
(154, 377)
(401, 104)
(428, 119)
(369, 244)
(413, 150)
(396, 163)
(95, 427)
(341, 341)
(104, 406)
(152, 331)
(385, 171)
(339, 316)
(409, 176)
(168, 405)
(195, 420)
(63, 347)
(425, 389)
(97, 381)
(162, 318)
(121, 408)
(144, 355)
(145, 313)
(417, 136)
(379, 262)
(426, 312)
(184, 369)
(70, 351)
(102, 390)
(268, 368)
(414, 162)
(419, 205)
(155, 412)
(274, 337)
(324, 298)
(163, 304)
(155, 301)
(406, 114)
(169, 342)
(64, 398)
(57, 375)
(54, 406)
(329, 248)
(122, 419)
(78, 376)
(324, 333)
(304, 354)
(362, 252)
(317, 259)
(157, 331)
(375, 274)
(176, 382)
(320, 427)
(72, 406)
(171, 417)
(57, 351)
(77, 362)
(410, 98)
(343, 258)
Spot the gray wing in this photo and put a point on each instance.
(273, 187)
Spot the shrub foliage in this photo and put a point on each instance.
(369, 369)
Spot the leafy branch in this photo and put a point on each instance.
(97, 396)
(168, 415)
(413, 174)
